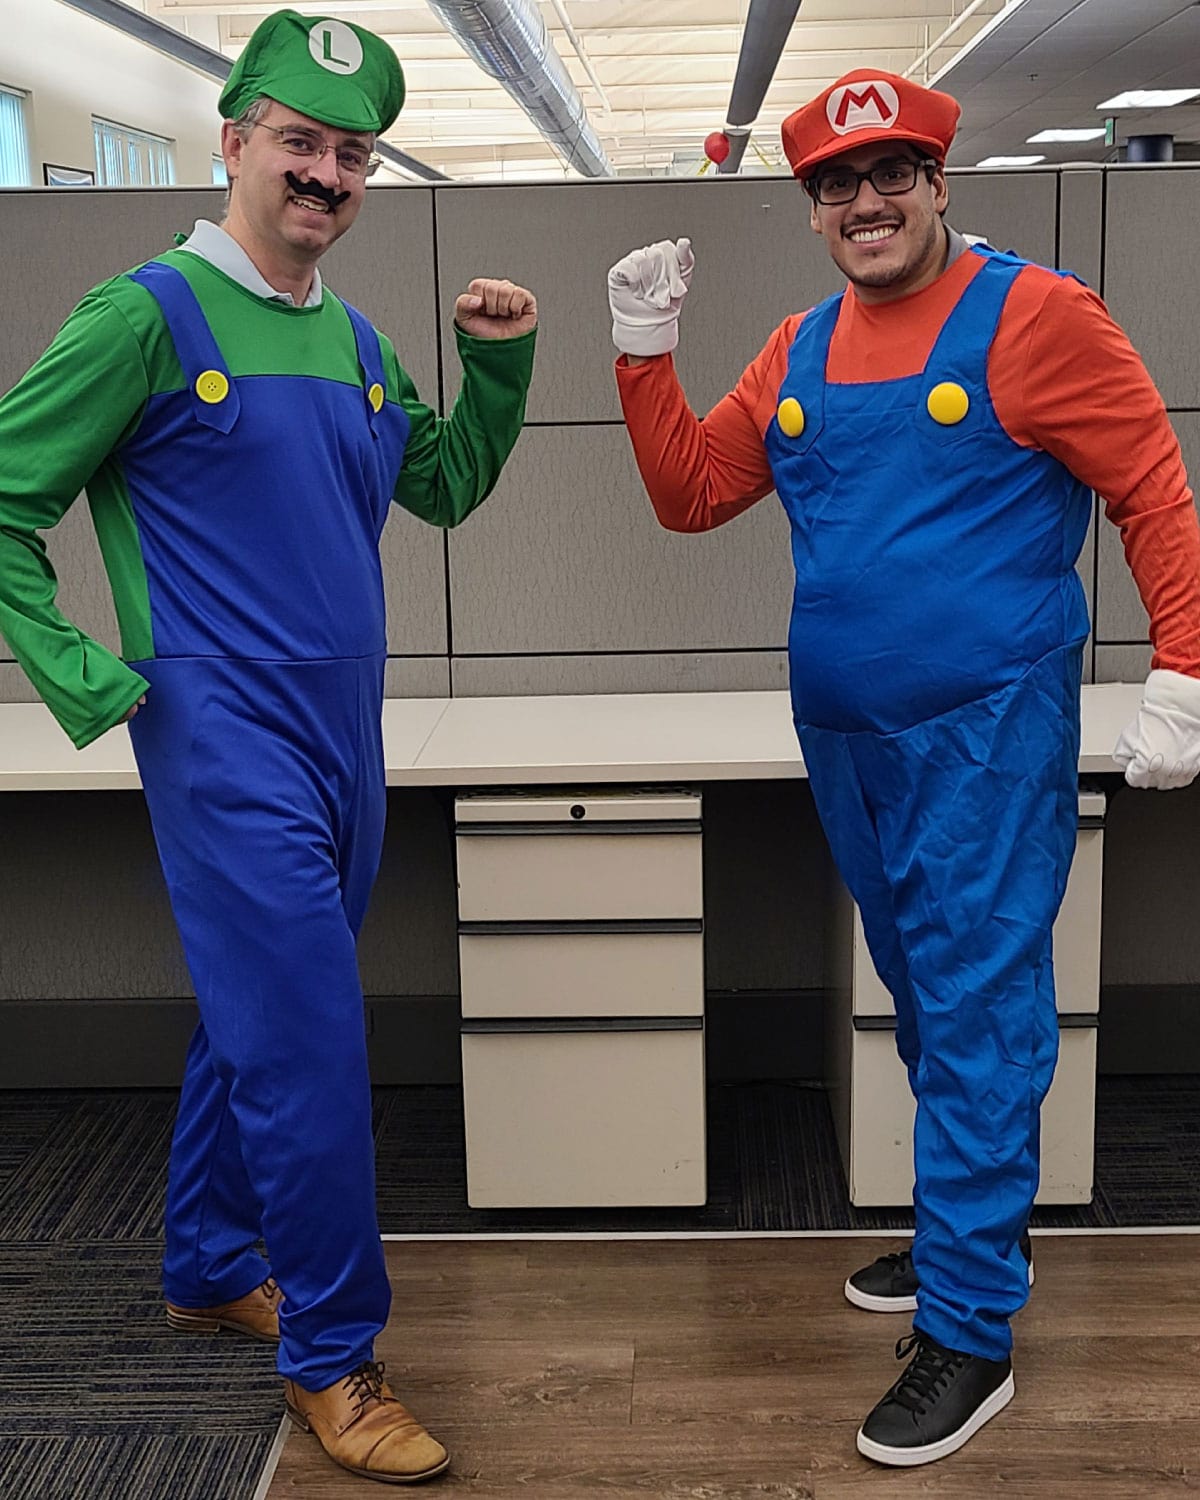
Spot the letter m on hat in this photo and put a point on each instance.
(855, 106)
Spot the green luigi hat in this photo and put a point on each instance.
(334, 71)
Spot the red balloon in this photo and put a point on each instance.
(716, 146)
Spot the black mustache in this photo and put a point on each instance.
(316, 190)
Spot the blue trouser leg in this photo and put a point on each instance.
(266, 791)
(850, 829)
(213, 1216)
(972, 819)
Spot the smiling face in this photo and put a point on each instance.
(887, 245)
(270, 213)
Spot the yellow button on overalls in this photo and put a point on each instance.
(212, 386)
(948, 403)
(375, 396)
(791, 417)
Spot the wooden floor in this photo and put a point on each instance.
(735, 1370)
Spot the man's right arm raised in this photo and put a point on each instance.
(698, 473)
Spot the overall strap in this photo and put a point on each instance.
(974, 318)
(214, 395)
(370, 362)
(967, 333)
(805, 377)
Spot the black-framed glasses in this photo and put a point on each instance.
(309, 146)
(838, 185)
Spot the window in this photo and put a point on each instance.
(14, 143)
(219, 175)
(131, 158)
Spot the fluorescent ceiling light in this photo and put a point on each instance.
(1009, 161)
(1148, 98)
(1089, 134)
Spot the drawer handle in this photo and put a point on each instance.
(607, 926)
(1067, 1021)
(529, 1025)
(688, 826)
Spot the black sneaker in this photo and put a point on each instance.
(939, 1403)
(889, 1284)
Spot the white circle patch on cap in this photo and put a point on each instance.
(335, 47)
(855, 106)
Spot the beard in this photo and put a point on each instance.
(880, 277)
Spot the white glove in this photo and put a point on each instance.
(645, 292)
(1161, 747)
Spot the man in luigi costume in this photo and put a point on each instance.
(241, 433)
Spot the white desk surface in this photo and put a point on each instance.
(610, 737)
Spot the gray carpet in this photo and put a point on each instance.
(98, 1399)
(773, 1163)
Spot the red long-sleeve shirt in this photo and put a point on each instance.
(1064, 379)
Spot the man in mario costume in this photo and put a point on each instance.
(242, 434)
(933, 433)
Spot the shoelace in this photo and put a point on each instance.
(930, 1372)
(899, 1259)
(366, 1383)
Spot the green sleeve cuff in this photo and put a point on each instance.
(83, 734)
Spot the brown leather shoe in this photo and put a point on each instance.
(256, 1315)
(363, 1427)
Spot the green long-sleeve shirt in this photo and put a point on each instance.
(62, 428)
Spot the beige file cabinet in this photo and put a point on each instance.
(581, 953)
(868, 1086)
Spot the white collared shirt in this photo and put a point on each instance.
(213, 244)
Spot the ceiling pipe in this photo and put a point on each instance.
(560, 10)
(941, 40)
(509, 41)
(768, 24)
(990, 24)
(173, 44)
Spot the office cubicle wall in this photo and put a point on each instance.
(1150, 285)
(563, 582)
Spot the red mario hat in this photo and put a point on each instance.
(864, 106)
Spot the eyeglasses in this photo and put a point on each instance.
(890, 178)
(296, 141)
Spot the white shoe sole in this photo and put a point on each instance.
(908, 1458)
(888, 1304)
(878, 1304)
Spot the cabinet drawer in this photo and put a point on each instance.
(1076, 931)
(878, 1154)
(599, 805)
(572, 874)
(582, 973)
(584, 1119)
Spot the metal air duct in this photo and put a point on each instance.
(768, 23)
(508, 39)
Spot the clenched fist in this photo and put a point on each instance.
(491, 309)
(645, 292)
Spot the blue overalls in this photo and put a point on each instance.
(935, 654)
(259, 503)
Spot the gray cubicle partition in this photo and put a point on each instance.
(65, 242)
(564, 583)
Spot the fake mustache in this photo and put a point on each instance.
(316, 190)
